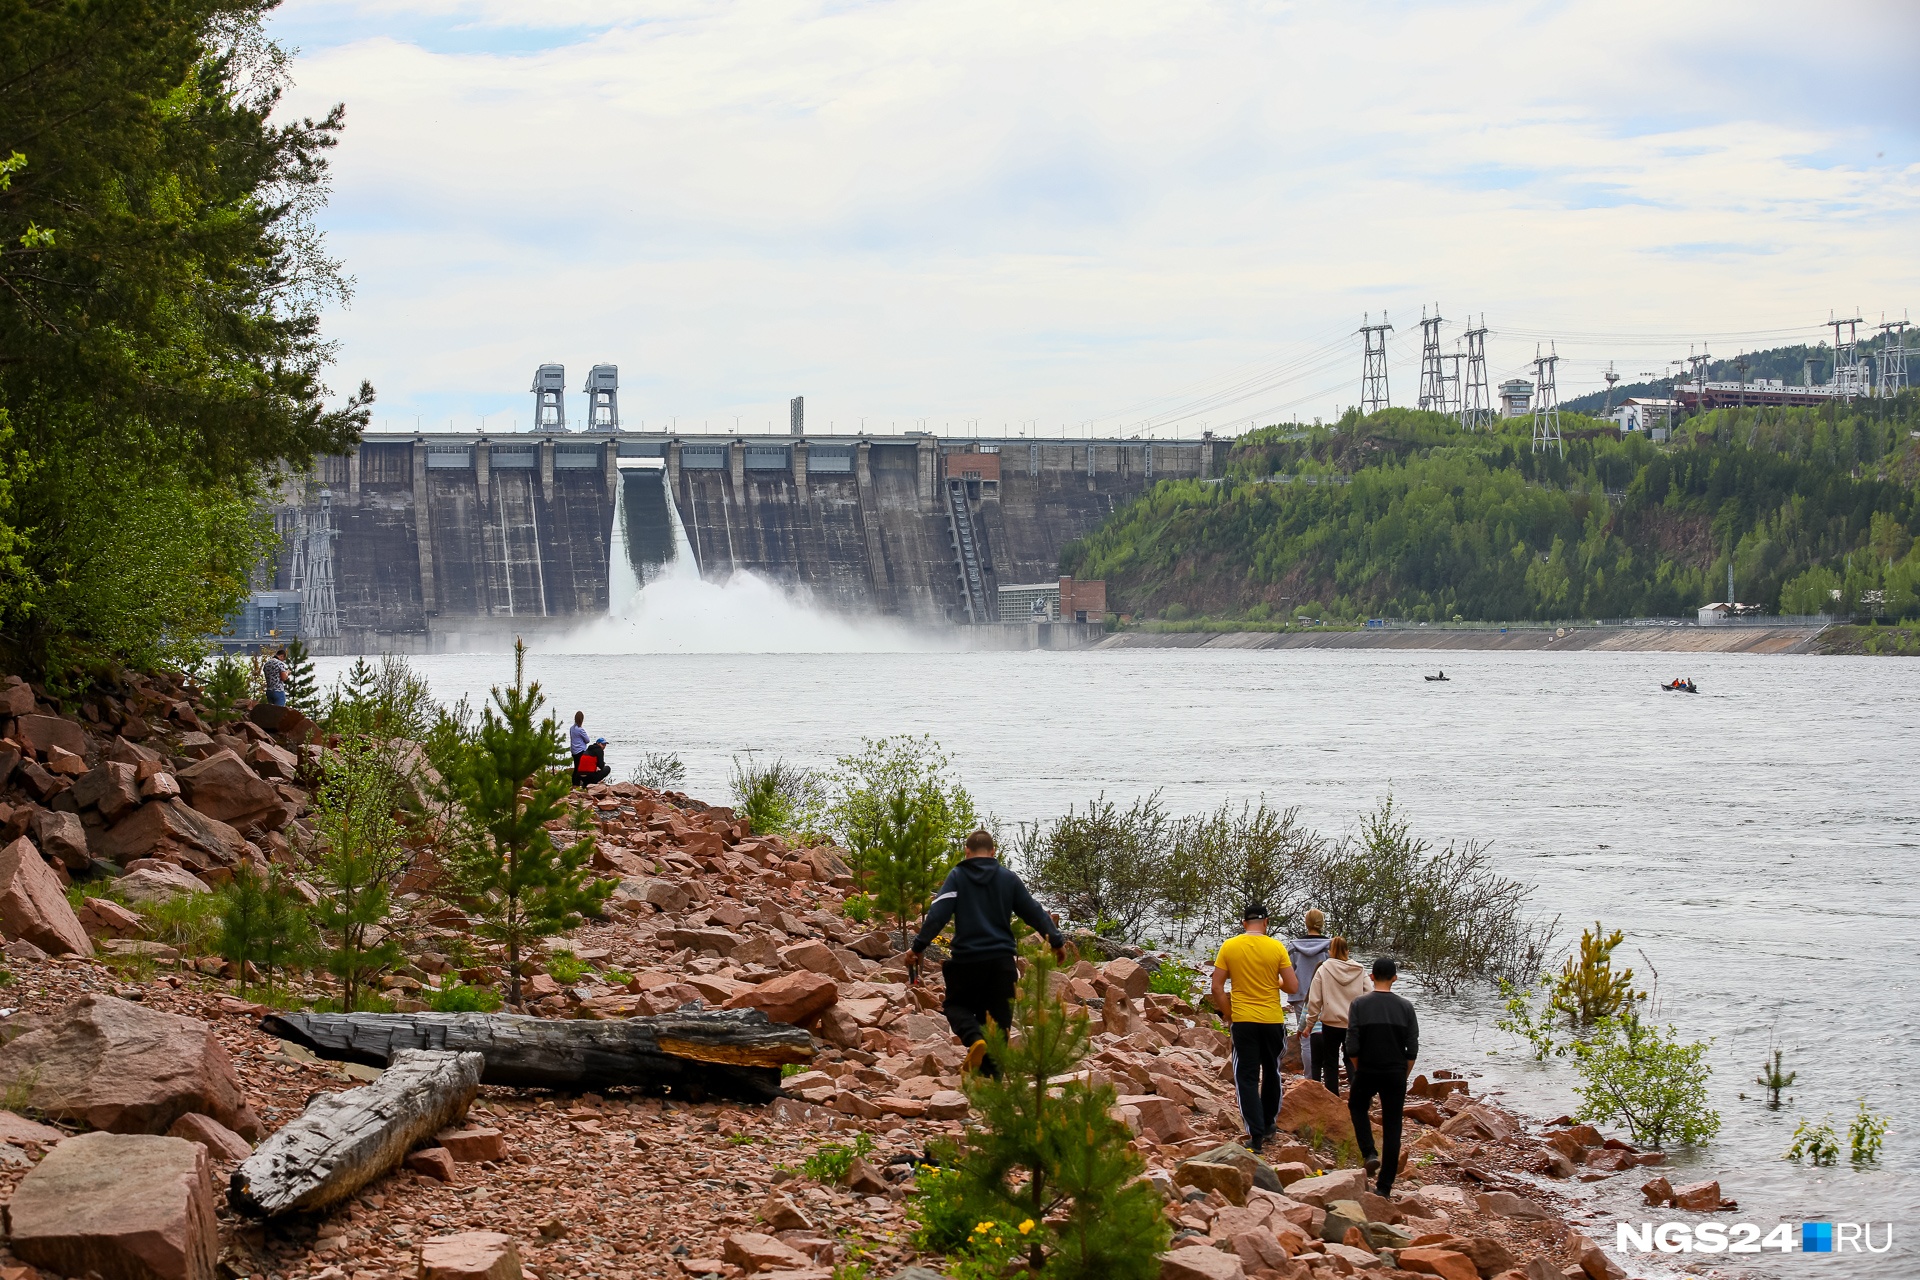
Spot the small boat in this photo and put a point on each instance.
(1678, 687)
(1432, 679)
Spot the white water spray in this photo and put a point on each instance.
(676, 611)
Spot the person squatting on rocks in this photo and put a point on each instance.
(1383, 1039)
(1337, 983)
(591, 765)
(1260, 970)
(981, 897)
(1306, 954)
(274, 671)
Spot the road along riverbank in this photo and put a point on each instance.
(1662, 639)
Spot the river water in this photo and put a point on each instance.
(1755, 841)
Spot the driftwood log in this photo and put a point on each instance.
(343, 1141)
(734, 1054)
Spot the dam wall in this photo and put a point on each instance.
(446, 534)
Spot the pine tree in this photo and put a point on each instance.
(303, 689)
(907, 860)
(358, 854)
(509, 784)
(264, 923)
(1049, 1160)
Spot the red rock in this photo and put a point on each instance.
(751, 1251)
(1657, 1192)
(51, 731)
(110, 787)
(270, 761)
(948, 1104)
(105, 918)
(471, 1146)
(1129, 977)
(221, 1142)
(1159, 1118)
(126, 1206)
(1508, 1205)
(1200, 1262)
(170, 827)
(790, 998)
(1308, 1105)
(125, 1068)
(1207, 1175)
(1592, 1259)
(433, 1162)
(223, 788)
(284, 722)
(815, 956)
(863, 1179)
(722, 941)
(1429, 1260)
(66, 764)
(34, 907)
(62, 838)
(16, 700)
(471, 1255)
(1698, 1197)
(150, 882)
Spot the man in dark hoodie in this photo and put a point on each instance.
(1383, 1039)
(981, 897)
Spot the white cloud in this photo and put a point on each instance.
(1008, 211)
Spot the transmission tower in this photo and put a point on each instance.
(1373, 370)
(1893, 358)
(1546, 404)
(1849, 372)
(1611, 378)
(1433, 381)
(1476, 408)
(311, 538)
(1450, 401)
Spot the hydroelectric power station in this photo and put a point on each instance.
(447, 541)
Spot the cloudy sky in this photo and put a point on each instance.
(1110, 216)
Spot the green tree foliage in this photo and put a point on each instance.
(389, 701)
(303, 689)
(910, 855)
(864, 784)
(1404, 514)
(358, 854)
(264, 922)
(507, 786)
(1586, 993)
(227, 681)
(1105, 867)
(1649, 1080)
(161, 282)
(1048, 1169)
(778, 798)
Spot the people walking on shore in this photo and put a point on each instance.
(981, 897)
(274, 672)
(1260, 970)
(1337, 983)
(1383, 1039)
(1306, 954)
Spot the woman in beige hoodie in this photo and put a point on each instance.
(1337, 983)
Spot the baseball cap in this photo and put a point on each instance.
(1254, 911)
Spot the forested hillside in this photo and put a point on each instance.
(1406, 515)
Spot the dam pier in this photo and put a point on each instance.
(437, 542)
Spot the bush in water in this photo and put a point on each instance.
(1651, 1081)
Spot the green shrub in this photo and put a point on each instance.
(858, 907)
(830, 1163)
(776, 799)
(1175, 978)
(1814, 1141)
(1865, 1133)
(455, 996)
(1652, 1082)
(660, 771)
(565, 968)
(229, 681)
(187, 922)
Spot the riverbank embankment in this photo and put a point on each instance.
(1681, 639)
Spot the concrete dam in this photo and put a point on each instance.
(442, 540)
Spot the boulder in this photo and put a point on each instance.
(1129, 977)
(471, 1255)
(1342, 1184)
(221, 1142)
(1698, 1197)
(473, 1145)
(16, 699)
(814, 956)
(284, 722)
(1309, 1107)
(948, 1104)
(1259, 1171)
(105, 918)
(1434, 1261)
(110, 787)
(671, 896)
(791, 998)
(33, 907)
(125, 1206)
(51, 731)
(1229, 1180)
(432, 1162)
(1159, 1118)
(751, 1251)
(65, 763)
(1592, 1259)
(1658, 1192)
(153, 882)
(62, 838)
(1506, 1204)
(166, 826)
(122, 1067)
(224, 788)
(722, 941)
(1342, 1215)
(1201, 1262)
(1489, 1255)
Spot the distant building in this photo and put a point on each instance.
(1639, 414)
(1711, 614)
(1062, 601)
(267, 618)
(1516, 397)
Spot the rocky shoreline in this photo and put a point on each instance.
(116, 1031)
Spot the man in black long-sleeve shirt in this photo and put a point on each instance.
(981, 897)
(1383, 1039)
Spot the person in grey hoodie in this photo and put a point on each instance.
(1337, 983)
(1306, 954)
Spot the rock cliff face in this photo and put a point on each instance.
(625, 1184)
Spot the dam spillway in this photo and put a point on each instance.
(439, 537)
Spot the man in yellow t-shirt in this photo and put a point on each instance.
(1260, 971)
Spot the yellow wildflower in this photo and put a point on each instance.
(1026, 1226)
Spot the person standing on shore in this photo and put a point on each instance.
(1260, 970)
(981, 897)
(274, 671)
(1337, 983)
(577, 739)
(1306, 954)
(1383, 1039)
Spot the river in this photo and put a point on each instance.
(1755, 841)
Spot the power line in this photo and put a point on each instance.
(1374, 395)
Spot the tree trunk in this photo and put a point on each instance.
(734, 1054)
(343, 1141)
